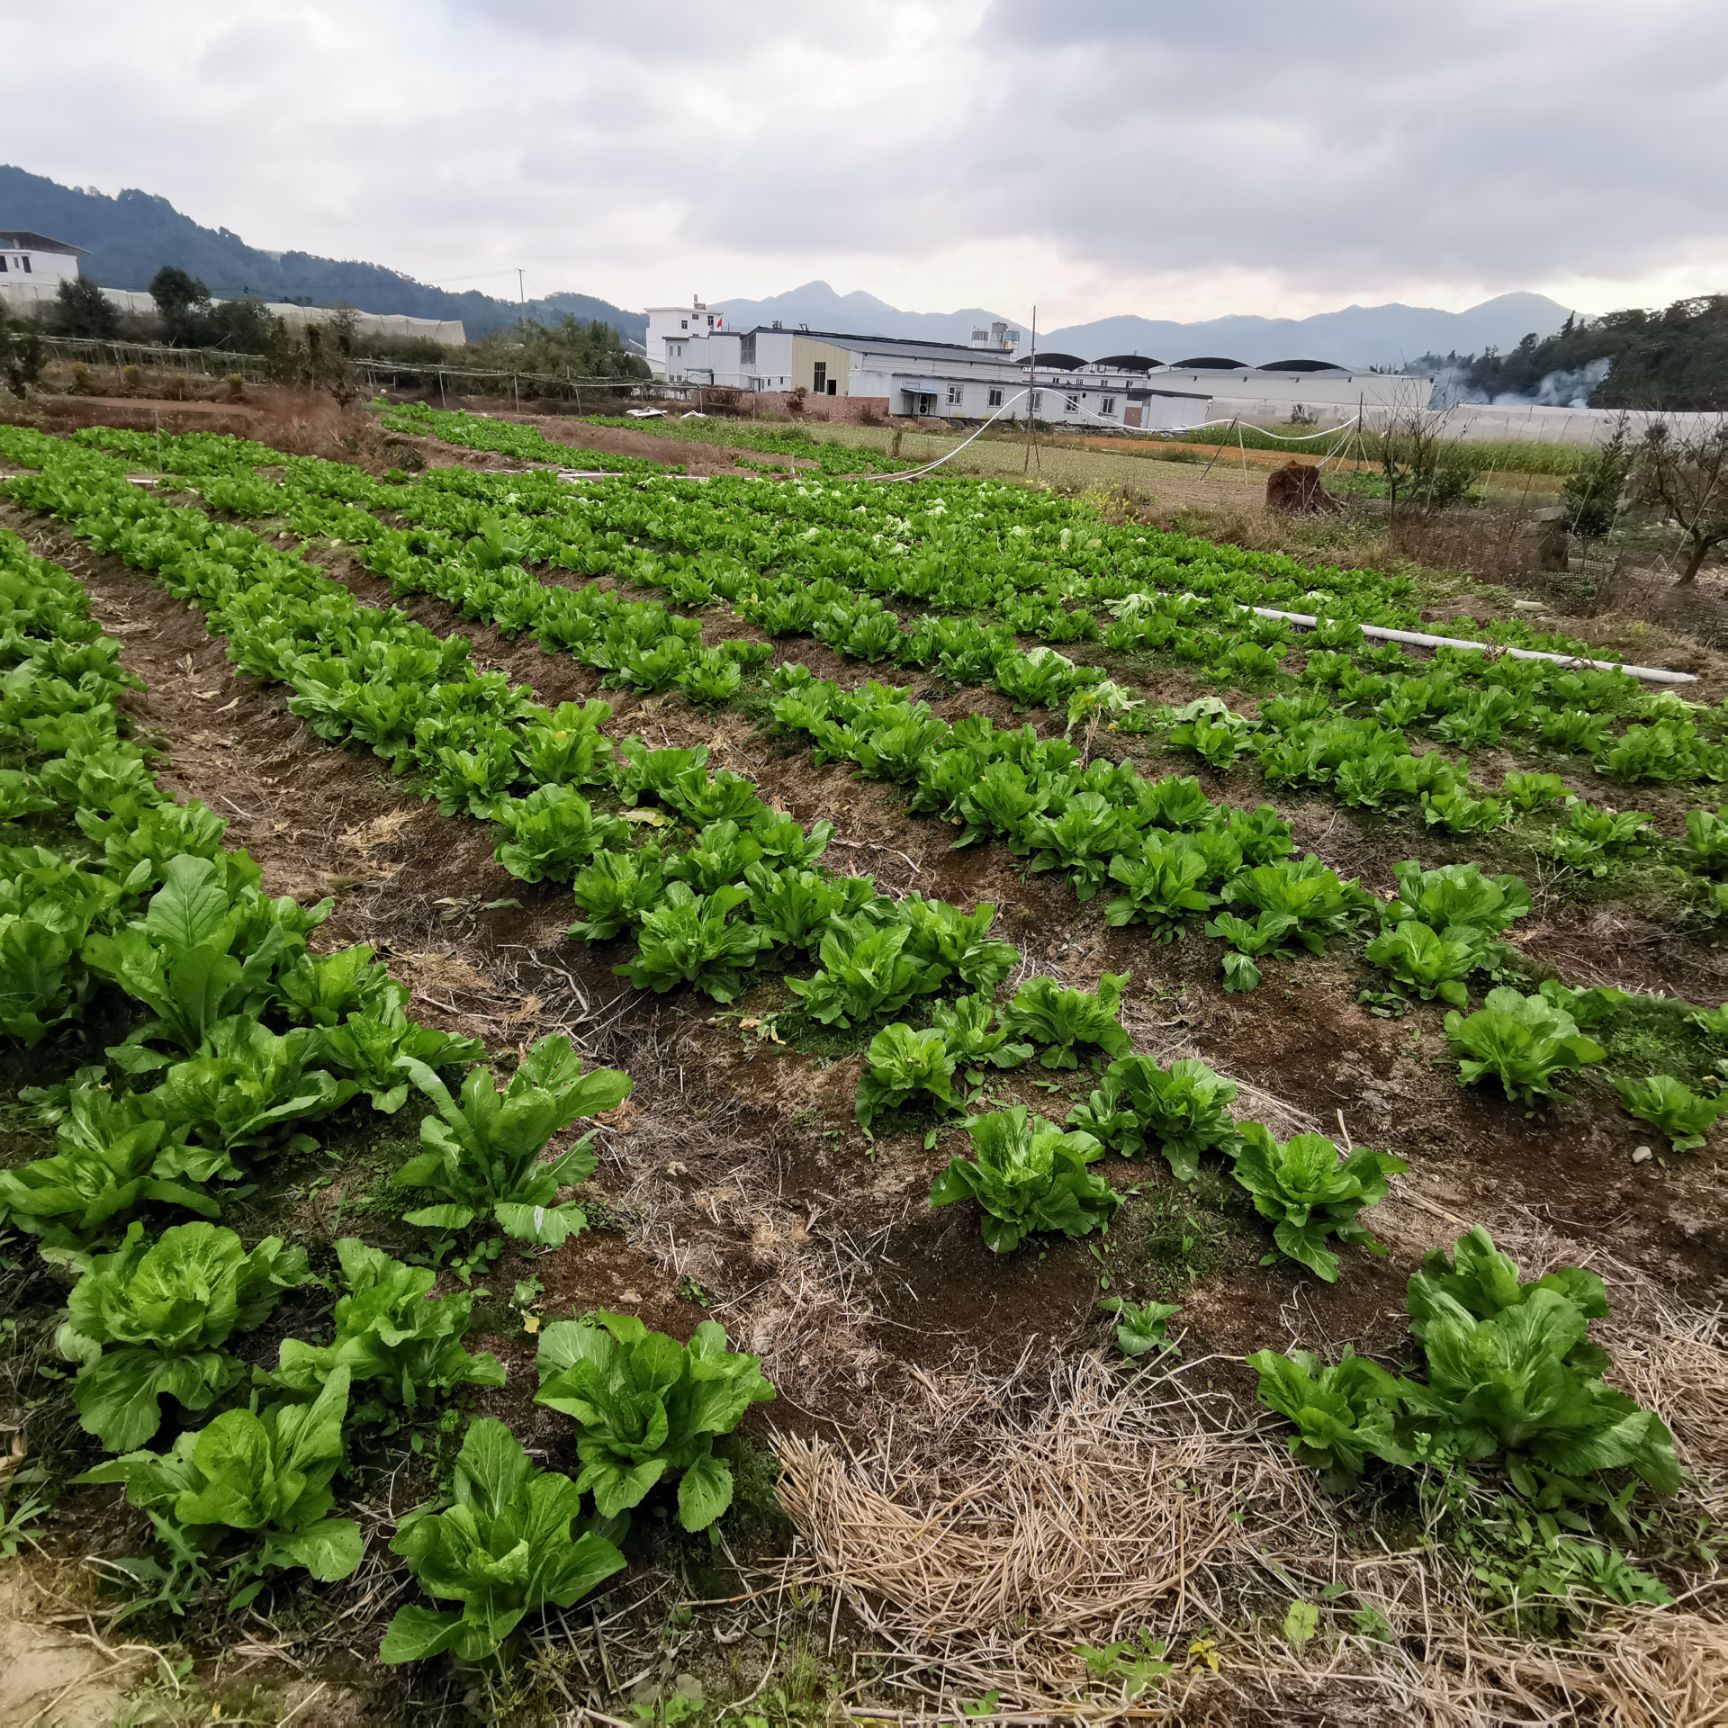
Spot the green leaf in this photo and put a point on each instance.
(1301, 1622)
(704, 1492)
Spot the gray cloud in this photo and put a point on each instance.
(631, 149)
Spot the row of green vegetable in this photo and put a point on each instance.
(746, 889)
(1307, 739)
(1091, 839)
(1056, 571)
(237, 1467)
(247, 1039)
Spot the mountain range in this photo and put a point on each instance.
(127, 238)
(1359, 336)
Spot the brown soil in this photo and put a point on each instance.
(145, 414)
(688, 454)
(1300, 1041)
(734, 1172)
(51, 1670)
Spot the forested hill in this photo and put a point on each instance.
(127, 238)
(1676, 358)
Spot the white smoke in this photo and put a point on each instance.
(1568, 388)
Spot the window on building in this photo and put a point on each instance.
(747, 350)
(2, 263)
(24, 263)
(956, 395)
(833, 386)
(1108, 405)
(819, 378)
(1037, 400)
(683, 323)
(995, 399)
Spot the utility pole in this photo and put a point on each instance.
(1031, 392)
(521, 289)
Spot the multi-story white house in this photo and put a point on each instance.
(34, 258)
(670, 328)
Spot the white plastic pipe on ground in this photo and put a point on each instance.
(1422, 639)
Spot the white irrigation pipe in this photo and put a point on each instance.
(1308, 620)
(1422, 639)
(1382, 633)
(931, 467)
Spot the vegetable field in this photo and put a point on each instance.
(804, 1097)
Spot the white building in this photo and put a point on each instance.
(671, 327)
(1276, 391)
(842, 376)
(34, 258)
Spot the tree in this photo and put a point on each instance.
(1591, 498)
(184, 303)
(240, 325)
(1684, 472)
(82, 309)
(21, 354)
(568, 348)
(1421, 463)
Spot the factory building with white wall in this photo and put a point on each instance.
(1273, 393)
(838, 375)
(832, 374)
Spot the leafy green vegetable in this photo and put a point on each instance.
(616, 891)
(1707, 839)
(1303, 890)
(901, 1064)
(1027, 1175)
(203, 951)
(1524, 1042)
(1141, 1327)
(240, 1089)
(149, 1320)
(1310, 1194)
(554, 833)
(1482, 1281)
(266, 1474)
(390, 1333)
(865, 973)
(1162, 881)
(1345, 1412)
(1062, 1022)
(1427, 962)
(1457, 894)
(1183, 1110)
(1670, 1104)
(368, 1047)
(482, 1149)
(1507, 1383)
(647, 1408)
(690, 938)
(502, 1547)
(972, 1033)
(792, 906)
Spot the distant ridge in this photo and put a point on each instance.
(127, 238)
(1354, 336)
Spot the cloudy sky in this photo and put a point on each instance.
(1094, 156)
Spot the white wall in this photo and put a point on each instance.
(679, 323)
(28, 296)
(1305, 389)
(18, 264)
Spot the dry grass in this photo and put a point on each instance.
(1016, 1520)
